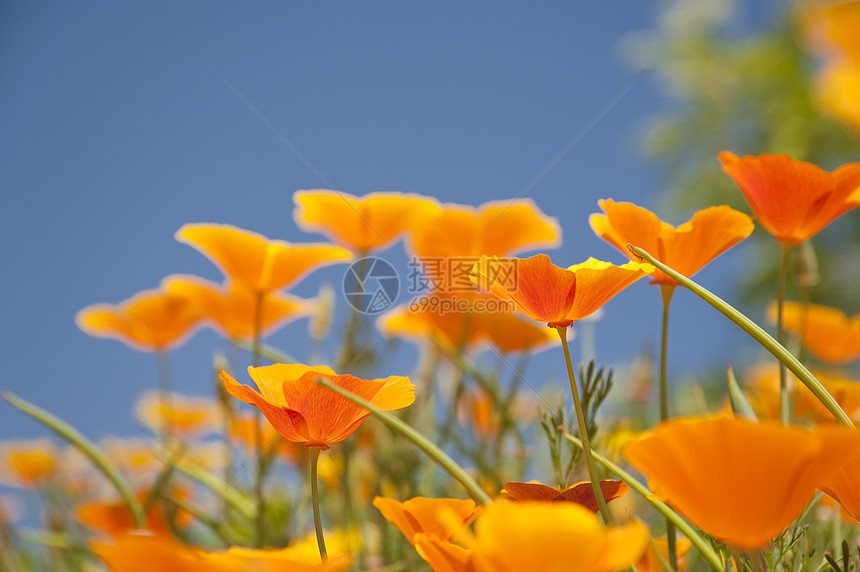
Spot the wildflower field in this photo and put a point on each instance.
(314, 461)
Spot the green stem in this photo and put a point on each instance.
(756, 332)
(685, 527)
(314, 456)
(583, 431)
(258, 430)
(666, 291)
(784, 401)
(165, 389)
(86, 447)
(240, 502)
(432, 450)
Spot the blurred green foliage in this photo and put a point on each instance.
(747, 91)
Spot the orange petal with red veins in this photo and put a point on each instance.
(598, 282)
(290, 424)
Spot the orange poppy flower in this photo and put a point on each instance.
(151, 320)
(765, 395)
(113, 518)
(446, 246)
(686, 248)
(792, 199)
(143, 552)
(28, 464)
(232, 309)
(658, 553)
(693, 464)
(135, 458)
(187, 417)
(252, 260)
(557, 296)
(303, 411)
(826, 332)
(452, 328)
(243, 430)
(364, 223)
(497, 228)
(842, 485)
(579, 493)
(831, 30)
(437, 518)
(551, 537)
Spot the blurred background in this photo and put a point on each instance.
(119, 124)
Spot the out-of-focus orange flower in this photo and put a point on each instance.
(257, 263)
(826, 332)
(113, 518)
(232, 309)
(842, 485)
(686, 248)
(304, 411)
(558, 296)
(693, 464)
(493, 324)
(448, 245)
(579, 493)
(792, 199)
(499, 228)
(550, 537)
(831, 29)
(28, 464)
(765, 395)
(362, 223)
(187, 417)
(151, 320)
(437, 518)
(136, 458)
(143, 552)
(243, 430)
(476, 408)
(658, 553)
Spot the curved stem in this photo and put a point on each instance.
(784, 401)
(756, 332)
(86, 447)
(689, 530)
(666, 291)
(583, 431)
(314, 456)
(430, 448)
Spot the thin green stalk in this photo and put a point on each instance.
(258, 430)
(241, 503)
(685, 527)
(666, 291)
(784, 401)
(756, 332)
(347, 353)
(165, 389)
(314, 456)
(583, 431)
(432, 450)
(86, 447)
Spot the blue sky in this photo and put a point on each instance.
(122, 123)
